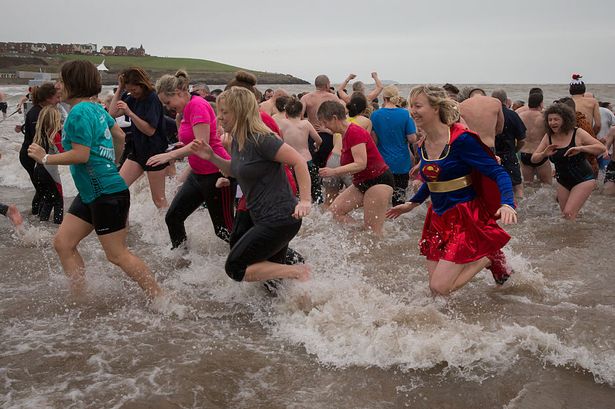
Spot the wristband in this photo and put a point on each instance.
(45, 159)
(510, 207)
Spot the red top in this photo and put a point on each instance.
(355, 135)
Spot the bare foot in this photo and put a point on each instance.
(14, 216)
(302, 272)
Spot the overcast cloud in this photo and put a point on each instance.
(470, 41)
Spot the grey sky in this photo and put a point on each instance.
(470, 41)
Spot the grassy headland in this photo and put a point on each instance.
(199, 70)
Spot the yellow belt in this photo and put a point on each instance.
(450, 185)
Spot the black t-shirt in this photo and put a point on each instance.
(148, 109)
(263, 181)
(514, 129)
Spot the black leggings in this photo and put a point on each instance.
(254, 243)
(28, 164)
(50, 195)
(196, 190)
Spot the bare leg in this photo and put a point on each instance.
(130, 171)
(609, 188)
(528, 173)
(115, 248)
(376, 201)
(70, 233)
(562, 196)
(545, 173)
(267, 270)
(351, 198)
(156, 185)
(331, 194)
(14, 216)
(577, 197)
(448, 276)
(518, 191)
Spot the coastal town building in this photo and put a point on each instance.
(55, 48)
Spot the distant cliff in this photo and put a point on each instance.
(207, 71)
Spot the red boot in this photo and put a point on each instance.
(499, 268)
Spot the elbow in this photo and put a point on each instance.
(82, 157)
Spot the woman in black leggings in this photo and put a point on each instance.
(257, 159)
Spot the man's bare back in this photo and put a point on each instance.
(484, 116)
(296, 133)
(588, 106)
(534, 122)
(311, 102)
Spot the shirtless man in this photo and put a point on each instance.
(534, 122)
(268, 106)
(483, 115)
(3, 105)
(524, 107)
(359, 86)
(311, 102)
(588, 106)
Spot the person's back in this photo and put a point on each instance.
(607, 120)
(483, 115)
(296, 133)
(535, 129)
(587, 105)
(312, 102)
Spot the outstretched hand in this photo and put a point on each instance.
(395, 212)
(36, 152)
(201, 149)
(507, 215)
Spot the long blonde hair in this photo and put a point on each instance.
(47, 126)
(248, 123)
(448, 109)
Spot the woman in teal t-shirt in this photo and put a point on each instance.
(103, 200)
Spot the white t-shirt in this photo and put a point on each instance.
(607, 120)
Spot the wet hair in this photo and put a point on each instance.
(43, 92)
(248, 124)
(81, 79)
(321, 81)
(569, 120)
(535, 100)
(536, 90)
(500, 95)
(569, 102)
(329, 109)
(450, 88)
(480, 90)
(604, 104)
(138, 76)
(577, 86)
(358, 86)
(293, 107)
(49, 123)
(357, 104)
(448, 109)
(170, 84)
(280, 102)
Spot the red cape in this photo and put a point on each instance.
(486, 189)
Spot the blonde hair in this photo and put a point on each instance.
(248, 123)
(47, 126)
(170, 84)
(448, 109)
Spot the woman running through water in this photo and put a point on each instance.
(103, 200)
(372, 181)
(257, 158)
(47, 177)
(460, 236)
(198, 122)
(566, 146)
(42, 96)
(135, 98)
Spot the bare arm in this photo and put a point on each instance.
(359, 156)
(597, 121)
(376, 91)
(499, 126)
(78, 154)
(340, 88)
(118, 140)
(141, 124)
(204, 151)
(114, 111)
(589, 144)
(540, 152)
(314, 134)
(289, 156)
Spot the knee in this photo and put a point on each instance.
(159, 201)
(234, 269)
(439, 288)
(63, 245)
(117, 257)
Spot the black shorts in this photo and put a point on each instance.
(3, 107)
(511, 164)
(141, 156)
(107, 213)
(526, 159)
(610, 173)
(385, 179)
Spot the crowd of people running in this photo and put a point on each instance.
(260, 163)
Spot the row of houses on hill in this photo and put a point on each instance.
(55, 48)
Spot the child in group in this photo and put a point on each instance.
(47, 177)
(296, 132)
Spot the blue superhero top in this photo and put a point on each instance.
(459, 175)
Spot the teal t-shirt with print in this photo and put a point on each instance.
(88, 124)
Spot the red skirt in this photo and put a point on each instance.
(464, 233)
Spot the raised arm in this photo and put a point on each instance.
(340, 88)
(597, 120)
(376, 91)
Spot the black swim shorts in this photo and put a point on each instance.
(385, 179)
(140, 155)
(107, 213)
(511, 164)
(526, 159)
